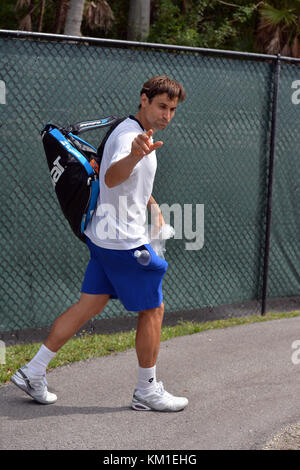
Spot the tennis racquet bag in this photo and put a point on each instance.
(74, 169)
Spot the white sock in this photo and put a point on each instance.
(146, 379)
(39, 363)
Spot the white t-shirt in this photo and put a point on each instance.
(119, 218)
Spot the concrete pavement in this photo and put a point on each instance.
(243, 385)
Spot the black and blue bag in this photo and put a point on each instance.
(74, 167)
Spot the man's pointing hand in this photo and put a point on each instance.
(142, 145)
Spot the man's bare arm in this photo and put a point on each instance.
(156, 215)
(120, 171)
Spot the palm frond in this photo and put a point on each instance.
(98, 14)
(278, 31)
(296, 47)
(272, 45)
(286, 50)
(22, 3)
(272, 16)
(25, 23)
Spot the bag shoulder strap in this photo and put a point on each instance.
(83, 126)
(104, 140)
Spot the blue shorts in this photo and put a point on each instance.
(118, 273)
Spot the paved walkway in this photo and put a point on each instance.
(241, 382)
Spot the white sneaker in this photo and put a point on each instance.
(158, 400)
(36, 387)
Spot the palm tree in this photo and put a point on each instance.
(138, 20)
(74, 18)
(278, 29)
(41, 15)
(61, 9)
(25, 22)
(68, 15)
(97, 13)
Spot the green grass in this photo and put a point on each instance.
(88, 346)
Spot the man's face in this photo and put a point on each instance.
(158, 113)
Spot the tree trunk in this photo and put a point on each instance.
(138, 20)
(41, 16)
(60, 15)
(74, 18)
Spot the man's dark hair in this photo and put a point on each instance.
(163, 84)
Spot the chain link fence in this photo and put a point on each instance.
(216, 153)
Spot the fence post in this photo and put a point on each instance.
(270, 185)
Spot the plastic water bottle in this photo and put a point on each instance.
(143, 257)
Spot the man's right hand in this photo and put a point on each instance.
(142, 145)
(120, 171)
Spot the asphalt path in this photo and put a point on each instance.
(243, 385)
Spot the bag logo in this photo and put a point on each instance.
(56, 171)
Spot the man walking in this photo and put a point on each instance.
(115, 232)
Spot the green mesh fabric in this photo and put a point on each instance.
(215, 153)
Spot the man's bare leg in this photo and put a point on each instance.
(148, 336)
(74, 318)
(30, 378)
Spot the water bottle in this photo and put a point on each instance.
(143, 257)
